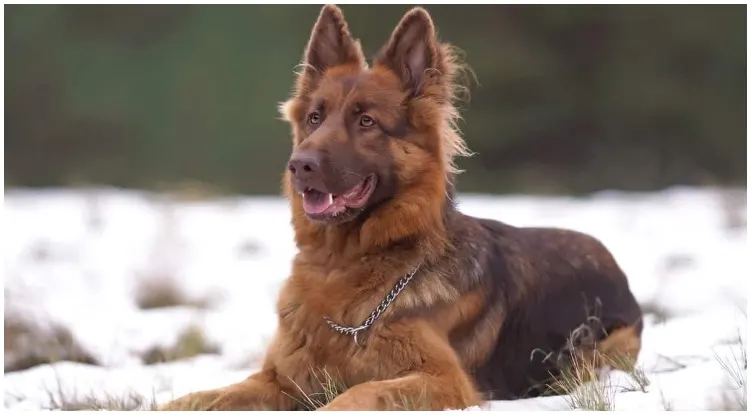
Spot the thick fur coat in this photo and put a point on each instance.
(493, 310)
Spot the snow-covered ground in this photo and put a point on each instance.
(77, 259)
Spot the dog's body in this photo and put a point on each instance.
(490, 309)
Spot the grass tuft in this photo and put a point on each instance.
(191, 342)
(27, 345)
(580, 384)
(329, 388)
(581, 380)
(627, 364)
(735, 367)
(129, 402)
(164, 292)
(65, 399)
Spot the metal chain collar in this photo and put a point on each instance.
(390, 297)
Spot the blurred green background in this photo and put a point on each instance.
(571, 99)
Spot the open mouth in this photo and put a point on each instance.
(319, 204)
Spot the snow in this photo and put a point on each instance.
(75, 259)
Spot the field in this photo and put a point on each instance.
(120, 299)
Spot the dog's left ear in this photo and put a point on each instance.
(413, 52)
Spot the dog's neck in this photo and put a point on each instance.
(418, 222)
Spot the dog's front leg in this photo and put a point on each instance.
(260, 391)
(414, 392)
(430, 373)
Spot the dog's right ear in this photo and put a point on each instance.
(330, 45)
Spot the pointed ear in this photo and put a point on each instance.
(413, 52)
(330, 45)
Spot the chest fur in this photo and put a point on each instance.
(306, 344)
(312, 355)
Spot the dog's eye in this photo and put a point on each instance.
(366, 121)
(314, 118)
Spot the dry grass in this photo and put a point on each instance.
(582, 388)
(128, 402)
(163, 292)
(735, 367)
(27, 345)
(60, 398)
(330, 387)
(191, 342)
(582, 364)
(627, 364)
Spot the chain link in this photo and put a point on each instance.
(390, 297)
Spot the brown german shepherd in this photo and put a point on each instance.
(395, 293)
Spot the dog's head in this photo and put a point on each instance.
(366, 136)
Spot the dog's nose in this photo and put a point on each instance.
(304, 164)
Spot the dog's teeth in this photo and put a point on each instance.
(331, 199)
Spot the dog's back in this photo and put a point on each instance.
(552, 289)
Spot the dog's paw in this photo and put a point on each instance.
(355, 400)
(198, 401)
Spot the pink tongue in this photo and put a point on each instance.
(316, 202)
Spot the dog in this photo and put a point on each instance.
(406, 301)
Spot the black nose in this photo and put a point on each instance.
(304, 163)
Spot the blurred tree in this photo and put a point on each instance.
(570, 99)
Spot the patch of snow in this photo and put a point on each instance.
(76, 258)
